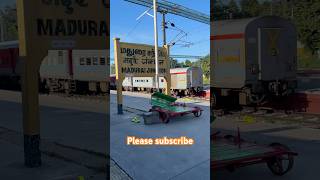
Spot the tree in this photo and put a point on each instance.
(188, 63)
(173, 63)
(218, 10)
(265, 8)
(307, 20)
(9, 19)
(205, 66)
(112, 68)
(250, 8)
(233, 10)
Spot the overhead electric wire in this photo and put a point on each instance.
(134, 27)
(169, 7)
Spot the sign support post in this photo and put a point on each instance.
(31, 119)
(119, 76)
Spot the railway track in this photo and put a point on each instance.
(262, 113)
(98, 98)
(270, 115)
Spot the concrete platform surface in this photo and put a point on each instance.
(304, 141)
(74, 139)
(159, 162)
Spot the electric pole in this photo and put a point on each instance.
(164, 28)
(155, 11)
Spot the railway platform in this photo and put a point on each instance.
(159, 162)
(304, 140)
(73, 139)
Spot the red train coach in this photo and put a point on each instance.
(9, 63)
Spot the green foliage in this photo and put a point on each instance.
(308, 60)
(203, 63)
(250, 8)
(112, 69)
(8, 16)
(233, 9)
(307, 21)
(217, 11)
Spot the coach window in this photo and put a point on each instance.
(102, 61)
(60, 57)
(53, 61)
(88, 61)
(95, 60)
(82, 61)
(60, 60)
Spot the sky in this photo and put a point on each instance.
(3, 3)
(124, 25)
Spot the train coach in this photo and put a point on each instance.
(75, 71)
(10, 67)
(253, 59)
(70, 71)
(184, 81)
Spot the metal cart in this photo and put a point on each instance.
(231, 152)
(168, 107)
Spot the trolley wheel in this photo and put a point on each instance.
(164, 116)
(282, 164)
(154, 108)
(229, 137)
(232, 138)
(197, 114)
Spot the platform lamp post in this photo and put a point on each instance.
(156, 43)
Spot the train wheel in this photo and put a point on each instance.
(257, 98)
(213, 98)
(280, 165)
(175, 93)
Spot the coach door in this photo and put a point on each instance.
(270, 64)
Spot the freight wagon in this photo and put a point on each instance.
(184, 81)
(253, 59)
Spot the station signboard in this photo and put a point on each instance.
(138, 60)
(53, 25)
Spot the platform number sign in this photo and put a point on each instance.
(54, 25)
